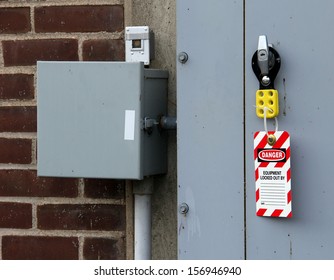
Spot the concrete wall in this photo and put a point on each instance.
(160, 17)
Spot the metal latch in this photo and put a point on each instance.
(266, 63)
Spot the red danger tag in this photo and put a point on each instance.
(272, 174)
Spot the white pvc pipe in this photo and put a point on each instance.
(142, 225)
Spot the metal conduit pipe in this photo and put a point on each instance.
(168, 122)
(142, 191)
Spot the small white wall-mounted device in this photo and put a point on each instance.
(139, 44)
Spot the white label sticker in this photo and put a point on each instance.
(129, 126)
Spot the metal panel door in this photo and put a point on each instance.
(210, 129)
(217, 121)
(299, 31)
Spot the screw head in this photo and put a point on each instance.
(183, 57)
(183, 208)
(265, 80)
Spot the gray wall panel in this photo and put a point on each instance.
(210, 129)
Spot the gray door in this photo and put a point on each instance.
(217, 121)
(210, 129)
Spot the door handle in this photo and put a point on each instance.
(266, 63)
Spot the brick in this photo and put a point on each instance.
(104, 188)
(28, 52)
(18, 119)
(16, 86)
(14, 20)
(81, 217)
(39, 248)
(15, 215)
(104, 249)
(25, 183)
(92, 18)
(15, 151)
(103, 50)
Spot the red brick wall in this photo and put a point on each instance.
(53, 218)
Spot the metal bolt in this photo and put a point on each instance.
(265, 80)
(183, 57)
(184, 208)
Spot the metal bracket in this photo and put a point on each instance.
(149, 124)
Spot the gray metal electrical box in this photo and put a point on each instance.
(91, 120)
